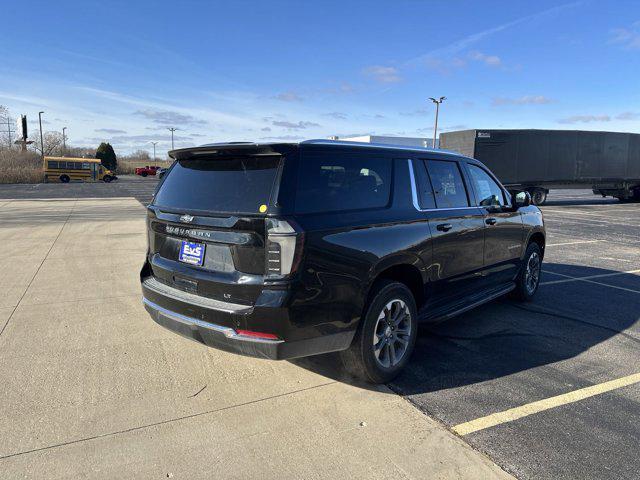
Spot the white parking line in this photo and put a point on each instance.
(589, 279)
(572, 243)
(542, 405)
(571, 278)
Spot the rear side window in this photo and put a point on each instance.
(225, 185)
(448, 185)
(333, 182)
(426, 198)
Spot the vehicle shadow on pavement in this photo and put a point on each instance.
(506, 337)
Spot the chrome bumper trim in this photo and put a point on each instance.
(175, 294)
(226, 331)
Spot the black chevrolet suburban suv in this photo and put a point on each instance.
(287, 250)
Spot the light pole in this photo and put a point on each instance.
(41, 137)
(435, 128)
(155, 162)
(172, 129)
(64, 142)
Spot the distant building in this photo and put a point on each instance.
(389, 140)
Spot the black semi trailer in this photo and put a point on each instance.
(537, 160)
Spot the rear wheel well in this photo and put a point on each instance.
(410, 276)
(539, 239)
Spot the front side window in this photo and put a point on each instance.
(448, 185)
(488, 192)
(332, 182)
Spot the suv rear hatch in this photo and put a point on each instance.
(208, 222)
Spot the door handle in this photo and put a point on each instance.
(491, 221)
(444, 227)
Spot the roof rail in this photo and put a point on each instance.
(346, 143)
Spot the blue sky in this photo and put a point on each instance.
(124, 71)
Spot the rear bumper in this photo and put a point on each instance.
(217, 336)
(216, 325)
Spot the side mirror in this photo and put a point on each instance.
(520, 198)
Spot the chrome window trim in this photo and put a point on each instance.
(190, 321)
(414, 194)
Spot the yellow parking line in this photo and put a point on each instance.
(542, 405)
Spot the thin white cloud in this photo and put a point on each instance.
(585, 119)
(288, 96)
(524, 100)
(489, 60)
(336, 115)
(282, 137)
(383, 74)
(169, 117)
(628, 116)
(301, 125)
(628, 38)
(462, 44)
(112, 131)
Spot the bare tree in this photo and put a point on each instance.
(80, 152)
(5, 136)
(141, 155)
(52, 142)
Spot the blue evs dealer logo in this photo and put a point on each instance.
(192, 253)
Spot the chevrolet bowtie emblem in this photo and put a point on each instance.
(186, 218)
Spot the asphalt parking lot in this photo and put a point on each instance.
(580, 331)
(93, 388)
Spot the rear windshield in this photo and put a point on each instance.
(334, 182)
(225, 185)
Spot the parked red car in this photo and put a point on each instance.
(148, 170)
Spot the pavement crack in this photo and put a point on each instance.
(196, 394)
(164, 422)
(39, 267)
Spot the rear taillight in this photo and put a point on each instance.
(284, 247)
(257, 335)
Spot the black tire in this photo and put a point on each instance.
(360, 358)
(143, 174)
(65, 178)
(107, 178)
(526, 287)
(538, 196)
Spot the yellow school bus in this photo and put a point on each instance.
(67, 169)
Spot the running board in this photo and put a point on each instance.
(447, 312)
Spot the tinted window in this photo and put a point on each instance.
(334, 182)
(227, 185)
(488, 192)
(53, 164)
(426, 198)
(447, 184)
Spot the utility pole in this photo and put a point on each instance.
(435, 128)
(155, 162)
(172, 129)
(41, 137)
(64, 142)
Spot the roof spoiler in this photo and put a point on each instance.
(231, 148)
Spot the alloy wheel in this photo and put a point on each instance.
(392, 333)
(532, 273)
